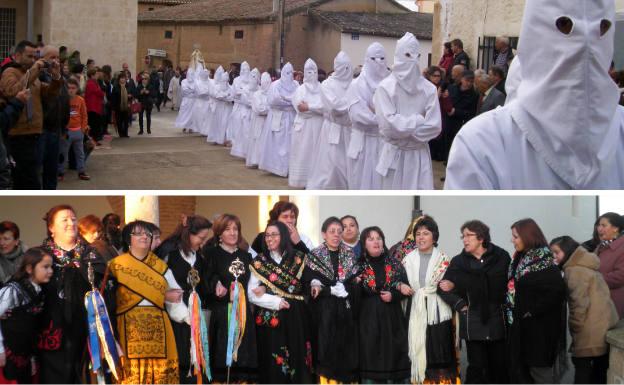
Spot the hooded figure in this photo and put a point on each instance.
(307, 126)
(185, 115)
(564, 130)
(259, 111)
(278, 127)
(408, 112)
(253, 83)
(241, 113)
(222, 99)
(201, 108)
(363, 150)
(173, 92)
(330, 165)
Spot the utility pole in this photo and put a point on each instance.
(279, 7)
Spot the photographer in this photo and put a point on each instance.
(22, 74)
(10, 111)
(55, 120)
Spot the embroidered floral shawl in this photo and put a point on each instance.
(283, 279)
(319, 261)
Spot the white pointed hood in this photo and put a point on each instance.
(375, 67)
(407, 63)
(343, 70)
(286, 81)
(245, 71)
(254, 80)
(566, 101)
(310, 76)
(265, 82)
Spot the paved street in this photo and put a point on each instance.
(171, 160)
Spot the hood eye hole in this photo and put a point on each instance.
(565, 25)
(408, 54)
(605, 26)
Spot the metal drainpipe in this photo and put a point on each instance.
(417, 211)
(31, 17)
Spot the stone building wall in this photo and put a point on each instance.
(470, 19)
(105, 31)
(216, 42)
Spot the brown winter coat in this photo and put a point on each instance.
(13, 81)
(612, 269)
(592, 312)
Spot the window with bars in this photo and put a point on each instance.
(487, 51)
(7, 31)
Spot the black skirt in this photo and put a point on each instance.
(246, 366)
(384, 353)
(284, 346)
(336, 339)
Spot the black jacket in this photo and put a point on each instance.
(56, 109)
(9, 114)
(465, 105)
(147, 100)
(538, 317)
(116, 98)
(463, 59)
(482, 286)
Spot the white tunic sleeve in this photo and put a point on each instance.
(465, 171)
(360, 114)
(267, 301)
(395, 125)
(177, 311)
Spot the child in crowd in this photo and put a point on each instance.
(76, 130)
(21, 301)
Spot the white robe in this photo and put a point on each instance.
(276, 135)
(363, 150)
(201, 108)
(330, 166)
(222, 99)
(306, 130)
(259, 111)
(185, 114)
(492, 153)
(407, 122)
(173, 93)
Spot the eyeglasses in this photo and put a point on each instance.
(467, 236)
(142, 233)
(335, 232)
(271, 235)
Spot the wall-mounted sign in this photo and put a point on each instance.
(156, 52)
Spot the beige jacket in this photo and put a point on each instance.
(592, 312)
(13, 81)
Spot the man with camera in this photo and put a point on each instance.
(23, 138)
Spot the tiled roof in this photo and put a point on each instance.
(381, 24)
(208, 11)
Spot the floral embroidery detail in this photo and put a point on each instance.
(392, 271)
(282, 360)
(319, 261)
(532, 261)
(268, 318)
(284, 277)
(65, 258)
(404, 249)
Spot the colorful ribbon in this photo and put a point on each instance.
(237, 317)
(101, 337)
(200, 352)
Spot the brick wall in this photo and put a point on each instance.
(119, 206)
(171, 209)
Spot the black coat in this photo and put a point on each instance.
(116, 98)
(538, 317)
(55, 109)
(465, 105)
(481, 288)
(147, 99)
(463, 59)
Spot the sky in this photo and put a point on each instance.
(411, 4)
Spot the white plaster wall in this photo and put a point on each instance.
(105, 31)
(391, 213)
(619, 5)
(556, 216)
(356, 49)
